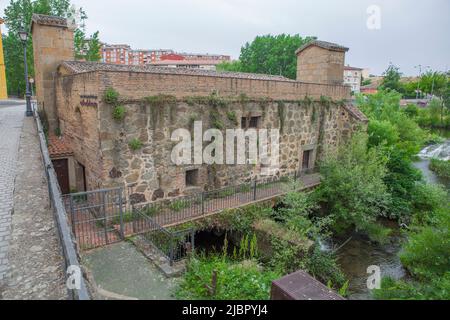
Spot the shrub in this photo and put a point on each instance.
(244, 280)
(135, 144)
(352, 187)
(119, 113)
(381, 131)
(427, 254)
(111, 96)
(232, 117)
(437, 289)
(427, 199)
(178, 205)
(441, 167)
(411, 110)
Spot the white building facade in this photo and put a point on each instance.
(352, 78)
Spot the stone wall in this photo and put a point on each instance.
(137, 85)
(101, 143)
(319, 65)
(52, 44)
(150, 173)
(79, 123)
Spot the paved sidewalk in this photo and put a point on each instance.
(11, 120)
(35, 259)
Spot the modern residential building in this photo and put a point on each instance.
(125, 55)
(352, 78)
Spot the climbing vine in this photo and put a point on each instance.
(111, 97)
(281, 115)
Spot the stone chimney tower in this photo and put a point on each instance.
(52, 44)
(321, 62)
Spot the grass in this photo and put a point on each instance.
(119, 113)
(135, 144)
(235, 280)
(440, 167)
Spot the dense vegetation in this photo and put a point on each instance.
(18, 17)
(441, 167)
(431, 83)
(269, 54)
(371, 177)
(423, 208)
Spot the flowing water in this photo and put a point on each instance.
(359, 253)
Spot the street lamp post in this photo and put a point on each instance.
(24, 37)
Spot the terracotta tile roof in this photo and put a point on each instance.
(322, 44)
(59, 147)
(355, 112)
(186, 62)
(88, 66)
(49, 20)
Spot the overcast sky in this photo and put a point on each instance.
(410, 33)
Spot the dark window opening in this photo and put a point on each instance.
(192, 178)
(250, 122)
(306, 159)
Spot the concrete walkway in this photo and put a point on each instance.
(121, 272)
(34, 260)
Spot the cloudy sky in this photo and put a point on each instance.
(410, 32)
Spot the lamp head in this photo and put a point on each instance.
(23, 35)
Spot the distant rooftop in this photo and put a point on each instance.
(352, 68)
(186, 62)
(87, 66)
(322, 44)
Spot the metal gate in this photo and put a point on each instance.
(96, 217)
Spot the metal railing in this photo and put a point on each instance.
(96, 217)
(177, 210)
(173, 245)
(68, 245)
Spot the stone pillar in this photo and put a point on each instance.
(52, 44)
(321, 62)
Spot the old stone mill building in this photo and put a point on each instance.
(95, 148)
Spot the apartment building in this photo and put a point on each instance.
(352, 78)
(124, 54)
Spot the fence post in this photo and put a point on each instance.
(254, 190)
(171, 251)
(203, 203)
(105, 221)
(122, 231)
(295, 175)
(133, 218)
(72, 216)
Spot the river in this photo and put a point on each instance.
(359, 253)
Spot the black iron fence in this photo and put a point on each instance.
(67, 242)
(180, 209)
(96, 217)
(173, 245)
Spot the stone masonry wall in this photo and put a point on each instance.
(79, 123)
(151, 175)
(319, 65)
(101, 143)
(137, 85)
(51, 46)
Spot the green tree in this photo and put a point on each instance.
(18, 17)
(353, 188)
(87, 49)
(233, 66)
(270, 55)
(391, 79)
(432, 82)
